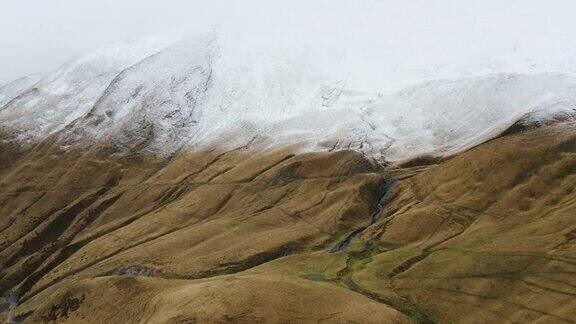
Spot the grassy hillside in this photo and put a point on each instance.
(280, 236)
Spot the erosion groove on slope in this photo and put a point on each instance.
(384, 193)
(487, 235)
(255, 190)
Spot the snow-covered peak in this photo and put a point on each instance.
(206, 84)
(443, 117)
(440, 117)
(155, 101)
(56, 98)
(170, 93)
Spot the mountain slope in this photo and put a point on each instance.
(158, 98)
(199, 179)
(484, 236)
(57, 98)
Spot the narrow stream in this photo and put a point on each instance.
(384, 193)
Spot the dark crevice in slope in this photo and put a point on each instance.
(45, 244)
(49, 233)
(526, 123)
(20, 318)
(408, 264)
(35, 222)
(86, 241)
(21, 212)
(568, 238)
(7, 225)
(421, 161)
(273, 165)
(216, 159)
(272, 203)
(32, 203)
(171, 195)
(57, 226)
(165, 199)
(224, 269)
(384, 194)
(67, 251)
(251, 262)
(297, 215)
(219, 173)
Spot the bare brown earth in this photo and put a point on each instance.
(237, 236)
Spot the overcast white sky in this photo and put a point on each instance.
(39, 35)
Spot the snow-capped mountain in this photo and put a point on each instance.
(40, 105)
(187, 92)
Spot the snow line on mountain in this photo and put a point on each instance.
(160, 97)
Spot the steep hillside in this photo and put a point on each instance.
(282, 236)
(204, 179)
(158, 97)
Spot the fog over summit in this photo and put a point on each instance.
(390, 43)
